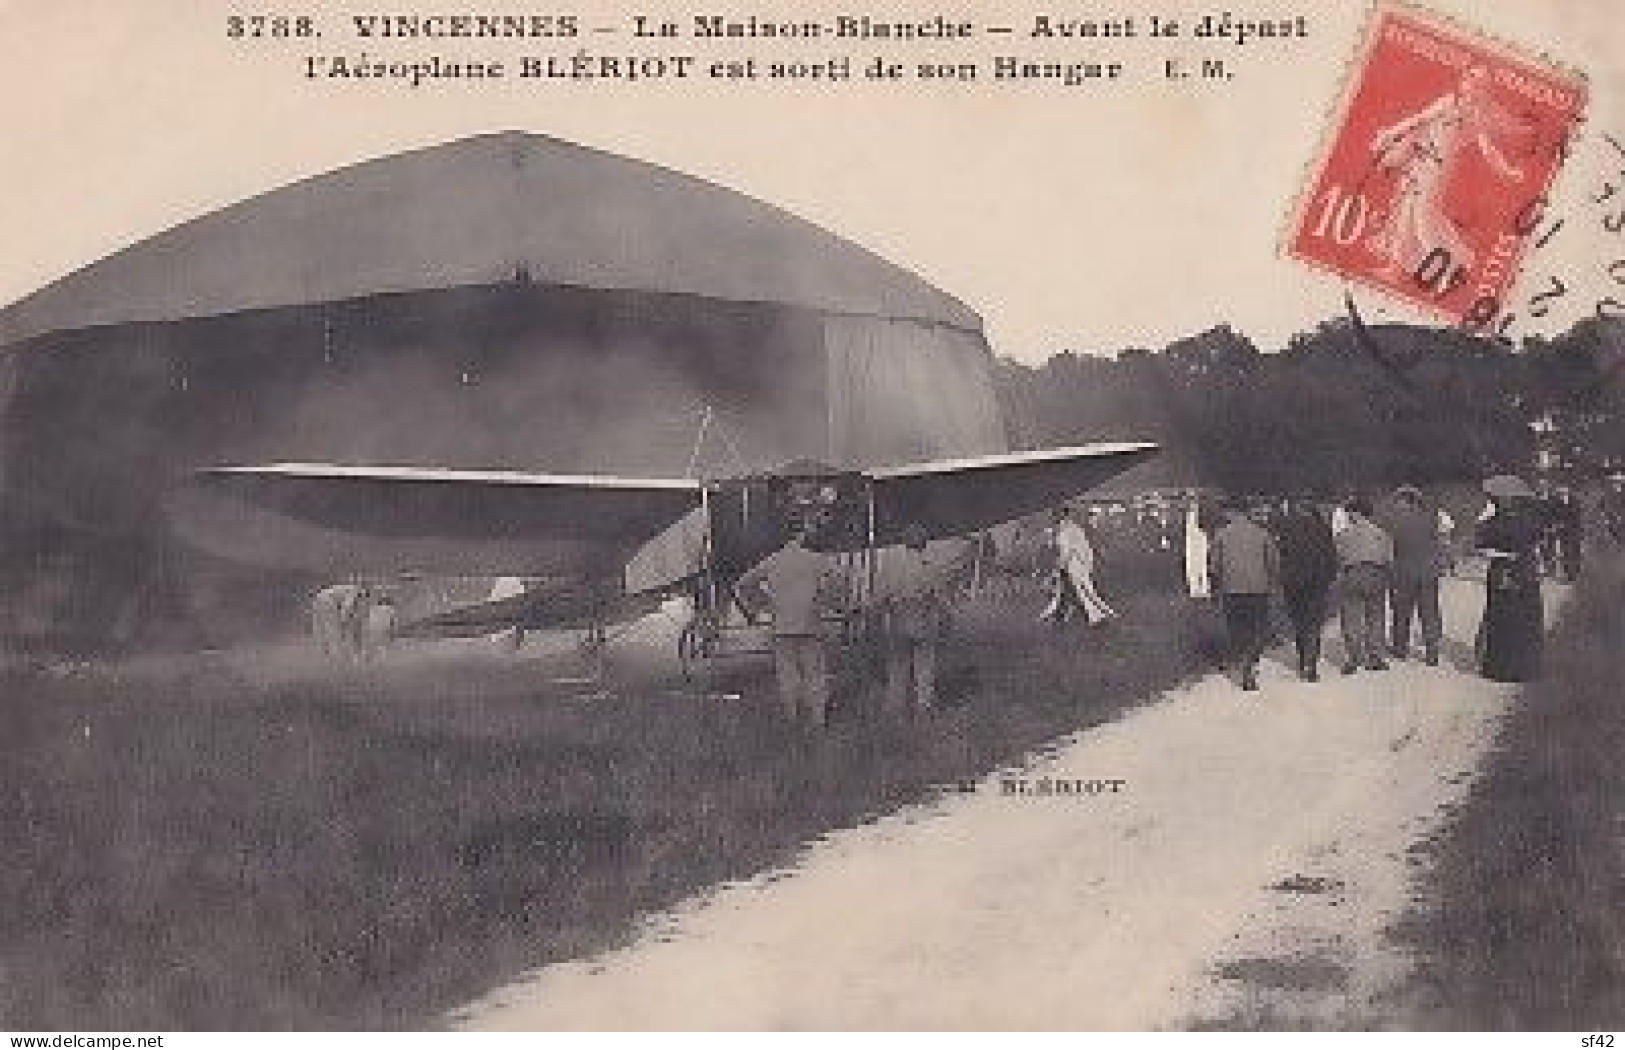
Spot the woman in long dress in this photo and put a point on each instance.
(1512, 634)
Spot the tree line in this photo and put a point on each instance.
(1342, 405)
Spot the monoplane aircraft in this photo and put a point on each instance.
(610, 548)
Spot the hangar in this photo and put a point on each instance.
(504, 301)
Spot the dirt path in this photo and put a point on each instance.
(1243, 874)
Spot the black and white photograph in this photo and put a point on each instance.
(926, 517)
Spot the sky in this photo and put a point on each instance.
(1088, 218)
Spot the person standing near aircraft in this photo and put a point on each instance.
(915, 615)
(325, 618)
(377, 623)
(1245, 568)
(798, 583)
(337, 613)
(353, 620)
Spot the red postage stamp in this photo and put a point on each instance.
(1437, 176)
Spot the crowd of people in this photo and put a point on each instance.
(353, 622)
(802, 590)
(1374, 565)
(1379, 566)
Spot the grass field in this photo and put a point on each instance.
(1524, 925)
(189, 848)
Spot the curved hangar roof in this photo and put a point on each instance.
(481, 211)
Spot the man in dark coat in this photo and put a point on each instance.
(1245, 567)
(913, 581)
(1413, 584)
(1568, 529)
(1613, 507)
(1308, 569)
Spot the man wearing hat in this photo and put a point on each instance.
(915, 617)
(1308, 570)
(1365, 555)
(1413, 586)
(1568, 533)
(1245, 569)
(799, 585)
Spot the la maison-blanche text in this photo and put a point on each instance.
(1218, 25)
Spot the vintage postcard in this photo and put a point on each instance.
(913, 515)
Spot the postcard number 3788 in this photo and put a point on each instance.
(270, 27)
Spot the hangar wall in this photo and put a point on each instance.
(101, 422)
(903, 391)
(507, 300)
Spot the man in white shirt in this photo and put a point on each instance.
(1365, 554)
(1075, 572)
(1197, 581)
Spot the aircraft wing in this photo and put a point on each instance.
(569, 604)
(328, 518)
(961, 496)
